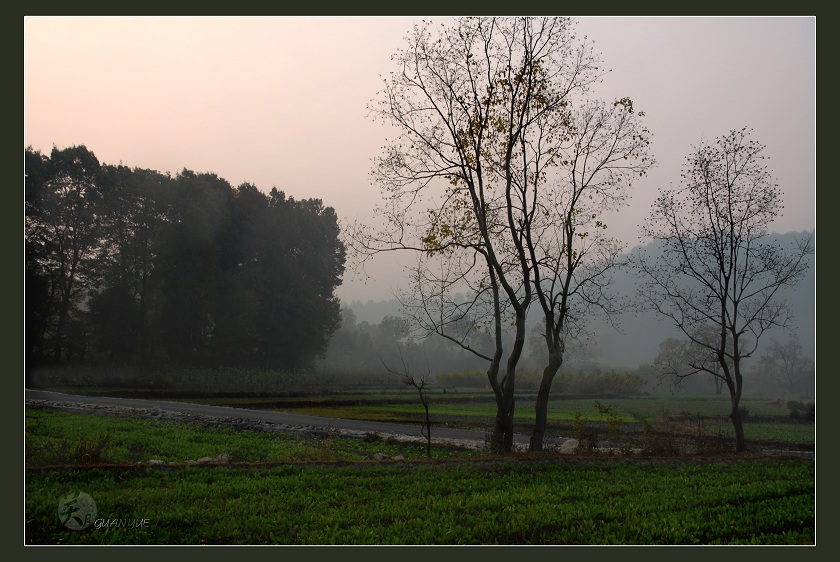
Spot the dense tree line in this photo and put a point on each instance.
(134, 266)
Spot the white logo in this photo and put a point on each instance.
(77, 510)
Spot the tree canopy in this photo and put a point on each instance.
(134, 266)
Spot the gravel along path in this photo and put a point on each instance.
(259, 420)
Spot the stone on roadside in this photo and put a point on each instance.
(568, 447)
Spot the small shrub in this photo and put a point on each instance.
(614, 422)
(710, 443)
(802, 412)
(587, 437)
(325, 450)
(656, 442)
(84, 450)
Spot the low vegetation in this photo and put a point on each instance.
(57, 438)
(198, 381)
(620, 384)
(743, 502)
(648, 470)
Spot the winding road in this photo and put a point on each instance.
(284, 418)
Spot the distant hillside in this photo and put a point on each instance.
(637, 340)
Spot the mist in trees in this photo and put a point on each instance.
(787, 364)
(361, 347)
(136, 267)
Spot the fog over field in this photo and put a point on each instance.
(635, 338)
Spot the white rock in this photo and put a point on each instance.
(569, 445)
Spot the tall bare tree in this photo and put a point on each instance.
(465, 100)
(716, 262)
(571, 182)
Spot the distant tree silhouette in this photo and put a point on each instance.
(717, 265)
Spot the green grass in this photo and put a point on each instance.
(343, 499)
(628, 409)
(790, 433)
(654, 410)
(647, 502)
(54, 437)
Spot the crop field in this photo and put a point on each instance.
(743, 502)
(667, 475)
(285, 489)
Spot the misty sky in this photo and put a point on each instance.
(281, 101)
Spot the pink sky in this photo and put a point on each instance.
(281, 101)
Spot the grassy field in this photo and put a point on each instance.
(323, 491)
(766, 420)
(672, 479)
(55, 437)
(744, 502)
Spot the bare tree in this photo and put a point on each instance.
(420, 383)
(561, 202)
(678, 360)
(788, 365)
(465, 100)
(715, 262)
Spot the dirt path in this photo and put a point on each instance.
(259, 420)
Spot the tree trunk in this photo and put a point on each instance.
(427, 427)
(502, 437)
(510, 378)
(735, 415)
(497, 436)
(541, 407)
(501, 440)
(58, 343)
(738, 424)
